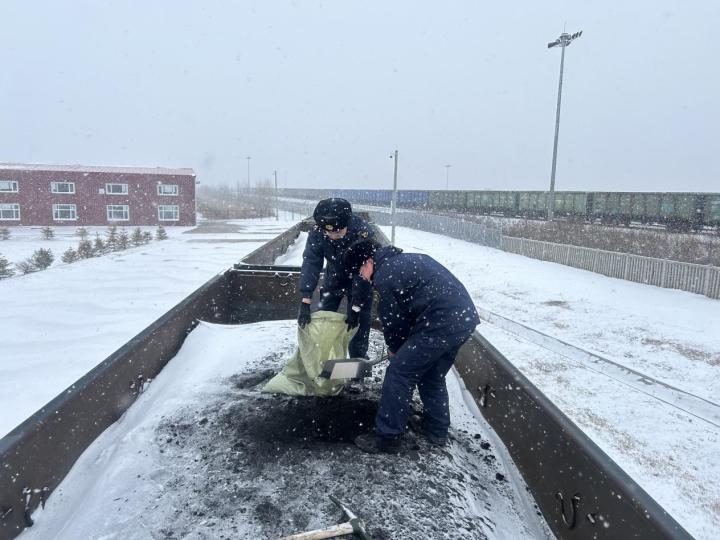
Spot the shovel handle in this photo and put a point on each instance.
(319, 534)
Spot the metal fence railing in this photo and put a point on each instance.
(696, 278)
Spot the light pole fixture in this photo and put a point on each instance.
(248, 171)
(277, 203)
(447, 176)
(563, 41)
(393, 201)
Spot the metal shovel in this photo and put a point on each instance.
(349, 368)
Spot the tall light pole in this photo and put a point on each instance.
(563, 41)
(447, 176)
(248, 175)
(393, 201)
(277, 208)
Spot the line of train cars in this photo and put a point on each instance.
(677, 211)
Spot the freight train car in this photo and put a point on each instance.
(677, 211)
(581, 493)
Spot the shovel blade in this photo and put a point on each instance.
(346, 368)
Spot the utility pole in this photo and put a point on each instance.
(248, 172)
(447, 176)
(277, 206)
(563, 41)
(393, 201)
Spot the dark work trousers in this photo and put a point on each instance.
(330, 301)
(417, 364)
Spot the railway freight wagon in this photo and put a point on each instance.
(677, 211)
(579, 490)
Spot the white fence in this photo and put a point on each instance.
(694, 278)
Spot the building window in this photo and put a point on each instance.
(8, 186)
(168, 212)
(10, 211)
(118, 212)
(64, 212)
(116, 189)
(62, 187)
(167, 189)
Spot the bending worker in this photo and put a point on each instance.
(426, 315)
(336, 227)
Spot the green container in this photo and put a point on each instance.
(625, 204)
(712, 208)
(470, 199)
(685, 205)
(579, 203)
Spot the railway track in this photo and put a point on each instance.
(697, 406)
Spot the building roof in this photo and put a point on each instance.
(95, 169)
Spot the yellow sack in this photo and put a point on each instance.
(325, 338)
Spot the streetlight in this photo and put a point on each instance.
(393, 201)
(248, 176)
(277, 206)
(563, 41)
(447, 176)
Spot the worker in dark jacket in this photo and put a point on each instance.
(426, 315)
(336, 227)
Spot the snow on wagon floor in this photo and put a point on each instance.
(204, 454)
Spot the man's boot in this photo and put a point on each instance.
(417, 424)
(374, 444)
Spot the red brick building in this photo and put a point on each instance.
(82, 195)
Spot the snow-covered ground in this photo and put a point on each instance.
(66, 319)
(57, 324)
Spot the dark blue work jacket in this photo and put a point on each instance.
(419, 297)
(319, 247)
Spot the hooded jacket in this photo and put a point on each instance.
(319, 248)
(419, 297)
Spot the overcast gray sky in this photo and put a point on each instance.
(324, 91)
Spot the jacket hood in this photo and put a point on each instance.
(384, 253)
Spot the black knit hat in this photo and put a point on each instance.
(332, 214)
(358, 253)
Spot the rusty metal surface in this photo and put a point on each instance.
(39, 452)
(581, 491)
(267, 253)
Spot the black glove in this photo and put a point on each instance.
(352, 319)
(303, 315)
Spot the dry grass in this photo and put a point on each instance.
(692, 248)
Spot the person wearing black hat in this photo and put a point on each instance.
(426, 315)
(336, 227)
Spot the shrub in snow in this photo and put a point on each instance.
(42, 258)
(85, 249)
(26, 266)
(4, 233)
(137, 237)
(5, 268)
(147, 237)
(112, 235)
(122, 240)
(160, 234)
(70, 256)
(82, 232)
(99, 247)
(47, 233)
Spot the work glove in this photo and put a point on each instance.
(352, 319)
(304, 315)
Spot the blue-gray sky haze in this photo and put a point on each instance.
(324, 91)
